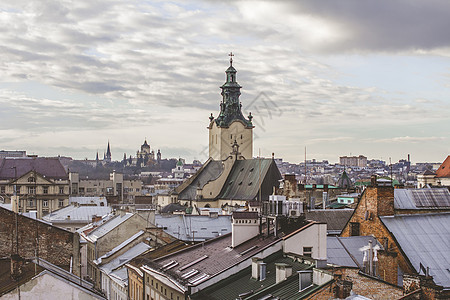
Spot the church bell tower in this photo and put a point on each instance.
(230, 127)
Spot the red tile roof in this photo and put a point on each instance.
(444, 169)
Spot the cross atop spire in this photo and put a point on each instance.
(231, 58)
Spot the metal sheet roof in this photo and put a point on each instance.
(211, 171)
(108, 226)
(242, 282)
(125, 258)
(245, 178)
(425, 239)
(77, 213)
(337, 255)
(204, 227)
(435, 198)
(345, 251)
(336, 219)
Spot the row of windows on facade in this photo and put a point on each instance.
(155, 288)
(31, 189)
(108, 190)
(32, 203)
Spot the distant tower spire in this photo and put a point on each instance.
(108, 153)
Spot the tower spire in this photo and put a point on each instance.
(230, 106)
(108, 153)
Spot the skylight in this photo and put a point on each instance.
(194, 262)
(189, 274)
(199, 279)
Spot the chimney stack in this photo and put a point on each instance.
(283, 271)
(256, 269)
(373, 180)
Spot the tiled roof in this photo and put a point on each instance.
(425, 239)
(444, 169)
(48, 167)
(211, 257)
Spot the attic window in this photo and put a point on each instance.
(230, 183)
(251, 170)
(240, 183)
(242, 169)
(31, 179)
(250, 183)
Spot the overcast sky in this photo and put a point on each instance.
(339, 77)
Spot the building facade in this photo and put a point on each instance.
(124, 190)
(34, 184)
(353, 161)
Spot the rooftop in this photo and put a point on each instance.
(435, 198)
(243, 283)
(444, 169)
(425, 239)
(48, 167)
(121, 260)
(336, 219)
(107, 226)
(345, 251)
(74, 213)
(209, 258)
(193, 227)
(247, 175)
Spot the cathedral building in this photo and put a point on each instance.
(145, 156)
(231, 176)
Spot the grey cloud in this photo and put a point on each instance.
(387, 26)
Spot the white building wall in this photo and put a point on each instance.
(314, 236)
(243, 230)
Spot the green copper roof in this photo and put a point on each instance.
(230, 107)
